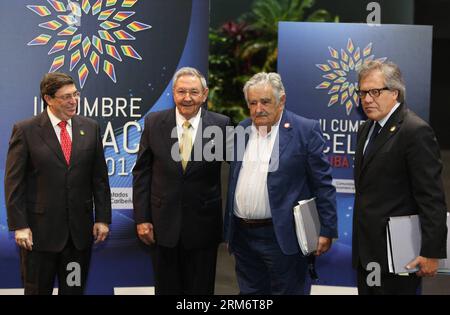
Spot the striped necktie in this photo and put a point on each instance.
(186, 144)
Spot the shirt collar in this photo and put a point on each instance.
(194, 120)
(55, 120)
(384, 120)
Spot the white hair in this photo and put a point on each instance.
(188, 71)
(263, 78)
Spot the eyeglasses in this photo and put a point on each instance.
(372, 92)
(69, 96)
(183, 93)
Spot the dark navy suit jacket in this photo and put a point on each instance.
(303, 172)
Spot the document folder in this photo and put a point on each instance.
(307, 225)
(404, 239)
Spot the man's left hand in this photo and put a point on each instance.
(323, 245)
(427, 266)
(100, 232)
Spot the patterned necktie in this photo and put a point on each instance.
(186, 144)
(66, 143)
(373, 136)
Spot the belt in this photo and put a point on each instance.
(253, 223)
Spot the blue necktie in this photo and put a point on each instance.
(373, 136)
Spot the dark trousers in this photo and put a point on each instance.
(184, 271)
(39, 270)
(261, 266)
(390, 284)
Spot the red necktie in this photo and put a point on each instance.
(66, 143)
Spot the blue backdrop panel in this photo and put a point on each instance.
(318, 63)
(122, 55)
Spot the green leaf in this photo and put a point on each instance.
(319, 16)
(232, 62)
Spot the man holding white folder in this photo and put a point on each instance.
(397, 173)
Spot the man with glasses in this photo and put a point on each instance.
(177, 191)
(397, 173)
(55, 174)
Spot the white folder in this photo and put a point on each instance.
(404, 240)
(307, 225)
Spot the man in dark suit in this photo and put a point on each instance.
(282, 163)
(55, 174)
(397, 173)
(177, 190)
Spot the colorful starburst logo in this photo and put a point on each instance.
(111, 39)
(341, 70)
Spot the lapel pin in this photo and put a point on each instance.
(82, 132)
(392, 129)
(287, 125)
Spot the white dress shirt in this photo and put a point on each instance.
(251, 196)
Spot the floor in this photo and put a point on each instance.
(226, 280)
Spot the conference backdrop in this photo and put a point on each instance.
(122, 54)
(318, 63)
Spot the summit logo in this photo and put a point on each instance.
(340, 74)
(88, 51)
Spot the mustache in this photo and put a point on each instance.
(262, 114)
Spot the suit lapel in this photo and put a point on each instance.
(284, 133)
(360, 148)
(78, 135)
(48, 135)
(282, 140)
(389, 130)
(169, 124)
(200, 141)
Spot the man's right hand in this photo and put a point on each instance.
(24, 238)
(145, 233)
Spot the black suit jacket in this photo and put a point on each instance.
(184, 207)
(400, 176)
(49, 197)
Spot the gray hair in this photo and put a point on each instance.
(392, 76)
(188, 71)
(263, 78)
